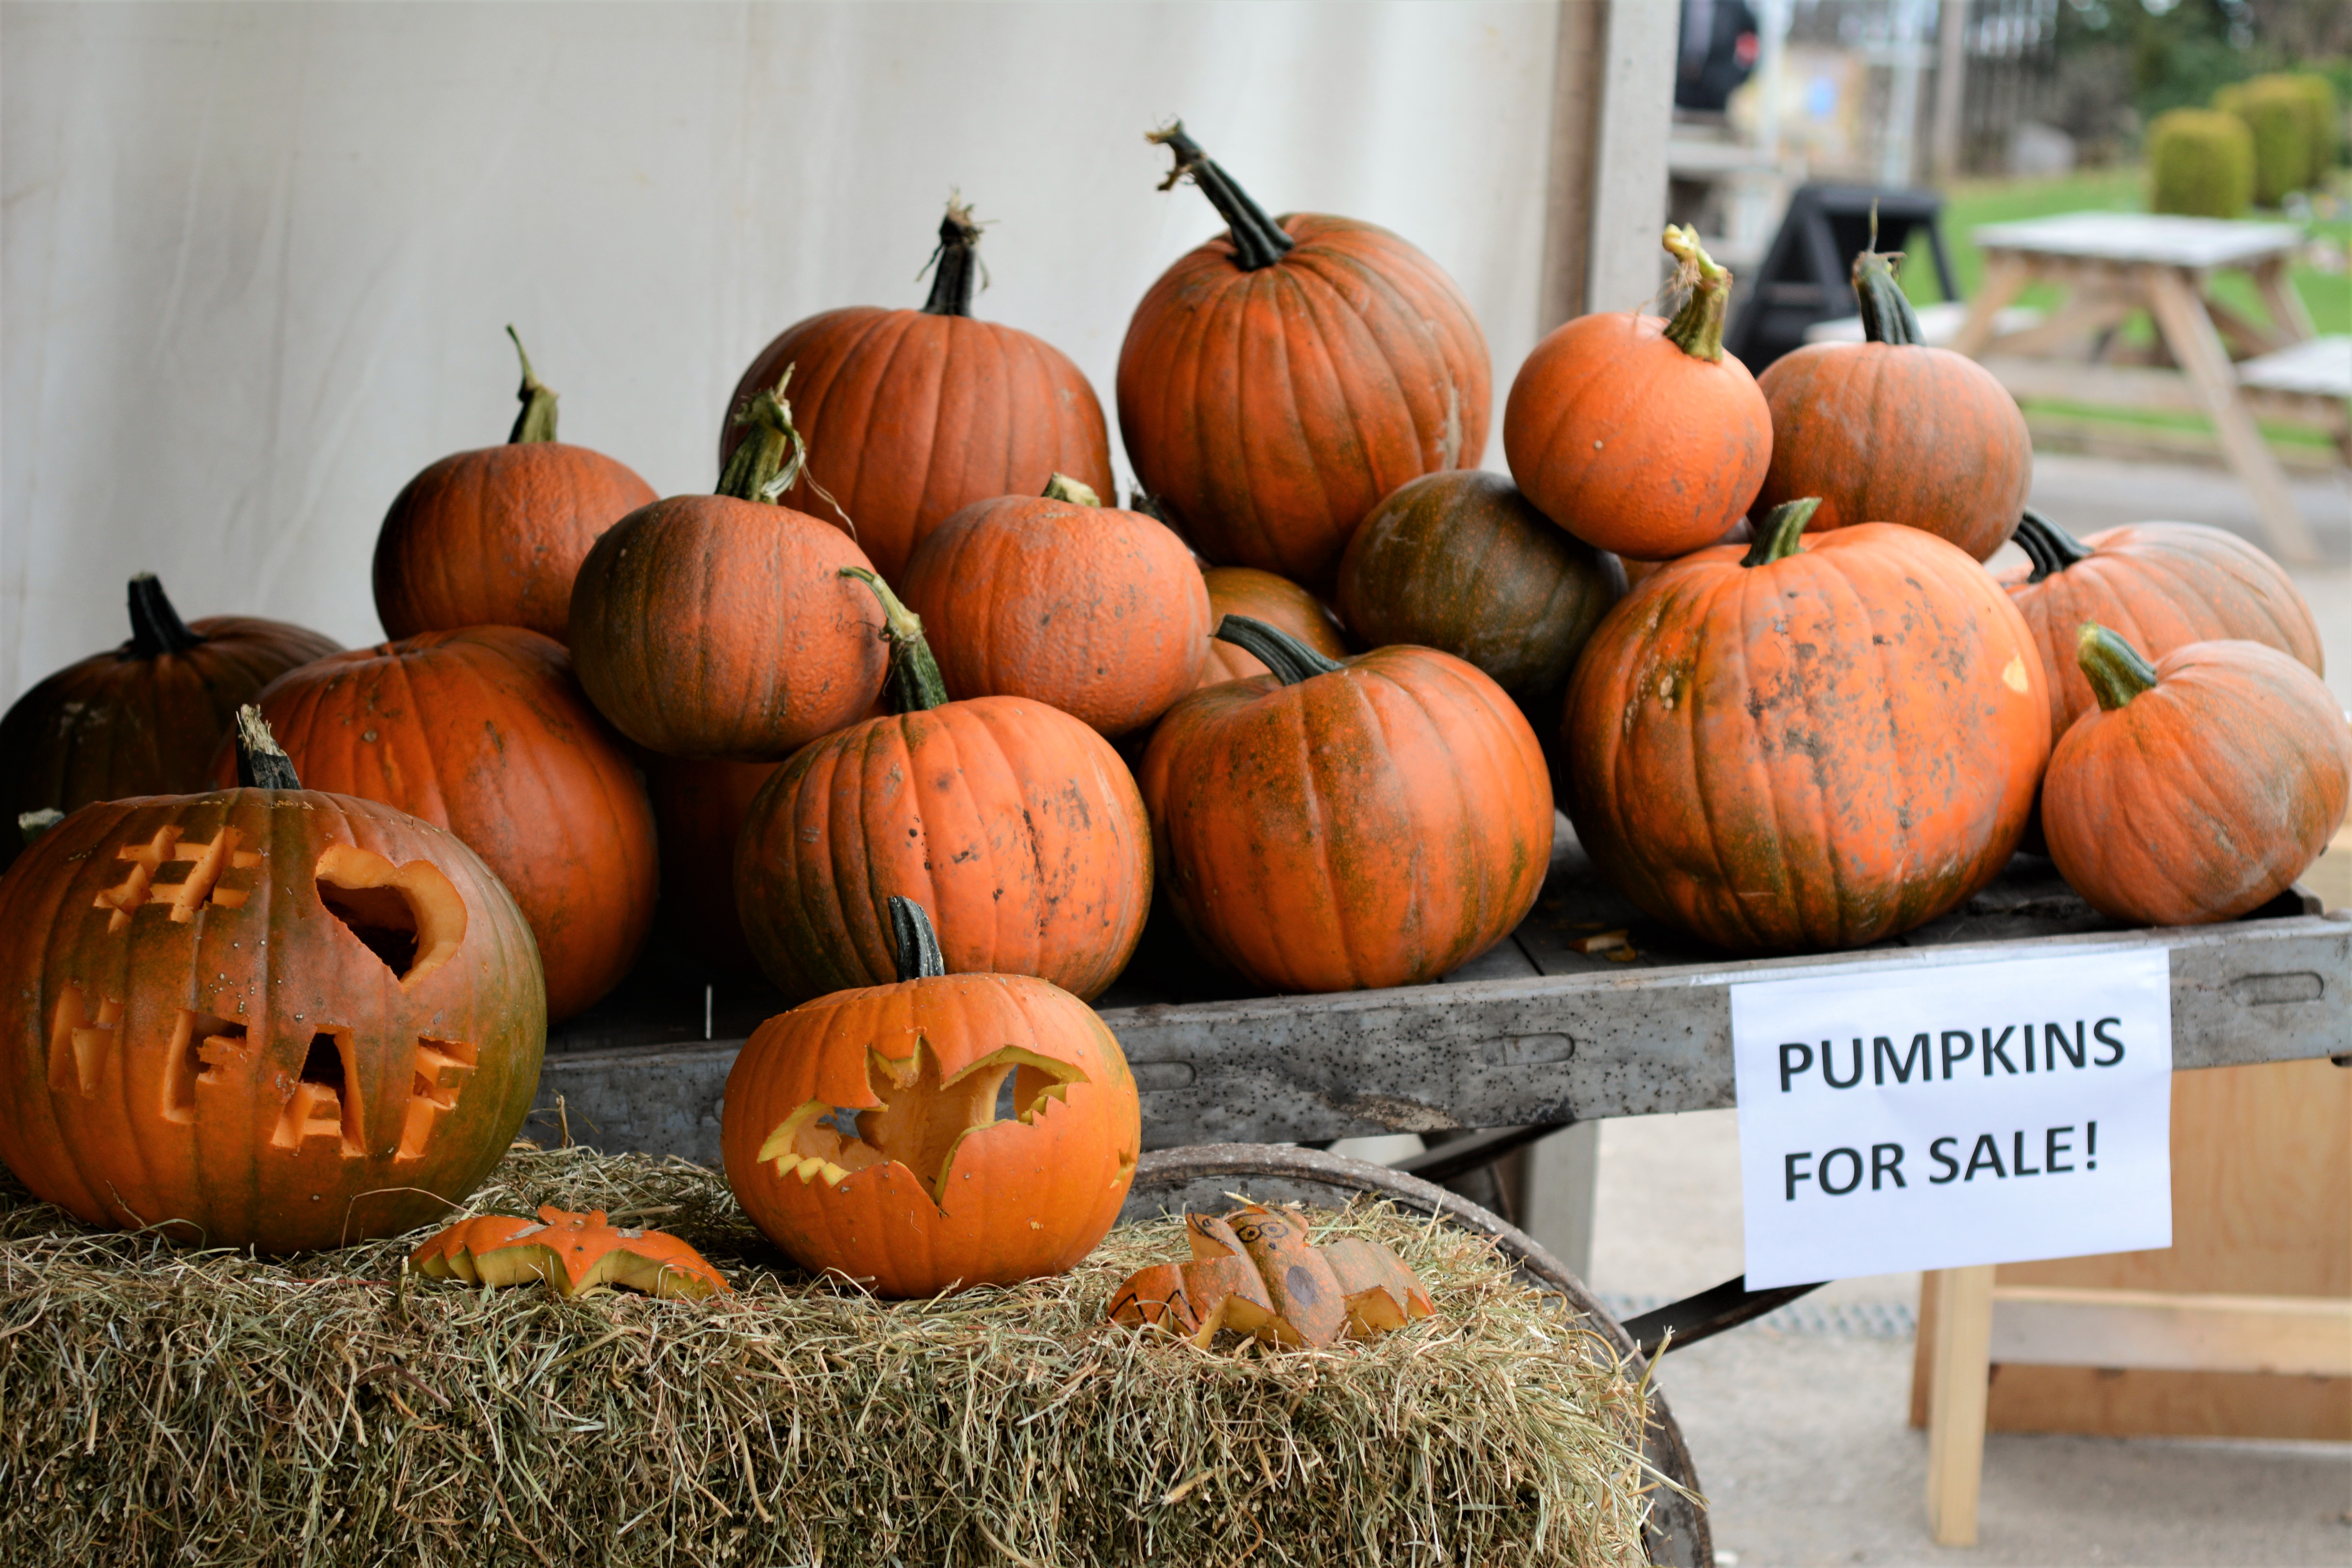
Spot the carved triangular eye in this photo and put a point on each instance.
(409, 916)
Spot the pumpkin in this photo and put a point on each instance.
(1463, 562)
(495, 536)
(1276, 382)
(1255, 1271)
(1814, 744)
(1279, 602)
(483, 732)
(1637, 435)
(919, 413)
(576, 1254)
(720, 625)
(1892, 430)
(1099, 611)
(699, 808)
(1339, 825)
(939, 1133)
(1016, 822)
(2199, 788)
(2160, 587)
(263, 1017)
(145, 718)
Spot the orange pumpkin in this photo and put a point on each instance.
(1338, 825)
(577, 1254)
(1099, 611)
(1892, 430)
(2199, 788)
(861, 1131)
(1637, 435)
(264, 1016)
(483, 732)
(1815, 743)
(1279, 602)
(1014, 820)
(495, 537)
(1277, 382)
(919, 413)
(699, 808)
(720, 625)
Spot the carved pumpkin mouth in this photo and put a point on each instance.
(918, 1120)
(409, 916)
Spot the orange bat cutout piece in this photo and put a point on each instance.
(1256, 1273)
(576, 1252)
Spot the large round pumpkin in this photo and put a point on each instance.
(1342, 825)
(2198, 788)
(1892, 430)
(494, 537)
(1638, 435)
(721, 626)
(144, 718)
(1099, 611)
(1017, 822)
(1277, 382)
(699, 809)
(914, 414)
(1280, 603)
(2157, 586)
(483, 732)
(934, 1191)
(267, 1016)
(1814, 744)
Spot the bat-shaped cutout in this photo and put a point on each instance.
(576, 1252)
(1253, 1271)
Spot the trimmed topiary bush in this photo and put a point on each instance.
(2278, 113)
(2200, 161)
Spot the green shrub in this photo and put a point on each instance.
(2292, 121)
(2200, 161)
(2320, 121)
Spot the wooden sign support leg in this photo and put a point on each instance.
(1961, 1368)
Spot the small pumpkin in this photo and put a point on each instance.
(1637, 435)
(264, 1016)
(1341, 825)
(495, 536)
(1255, 1271)
(1276, 382)
(720, 625)
(577, 1254)
(1279, 602)
(1892, 430)
(921, 413)
(869, 1132)
(1813, 743)
(2199, 787)
(144, 718)
(1095, 611)
(699, 809)
(1016, 822)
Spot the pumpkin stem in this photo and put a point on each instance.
(2049, 547)
(916, 945)
(957, 259)
(1291, 661)
(536, 420)
(1258, 241)
(156, 626)
(1778, 539)
(768, 460)
(1697, 326)
(2114, 667)
(261, 761)
(916, 685)
(31, 825)
(1077, 492)
(1886, 313)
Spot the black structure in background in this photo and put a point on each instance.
(1719, 46)
(1808, 275)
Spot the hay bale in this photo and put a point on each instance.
(211, 1408)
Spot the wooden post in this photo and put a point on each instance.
(1960, 1371)
(1951, 85)
(1576, 97)
(1624, 263)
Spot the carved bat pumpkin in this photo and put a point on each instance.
(1254, 1272)
(576, 1252)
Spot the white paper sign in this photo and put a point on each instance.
(1935, 1117)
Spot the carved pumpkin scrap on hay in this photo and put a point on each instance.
(576, 1252)
(1253, 1271)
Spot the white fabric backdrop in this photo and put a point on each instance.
(258, 257)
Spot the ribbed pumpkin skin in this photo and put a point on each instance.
(287, 969)
(1099, 611)
(2160, 586)
(495, 537)
(911, 417)
(1464, 563)
(1631, 444)
(1377, 825)
(1020, 1199)
(1267, 411)
(699, 808)
(2204, 796)
(1263, 596)
(1812, 753)
(707, 626)
(1016, 825)
(1897, 432)
(483, 732)
(115, 725)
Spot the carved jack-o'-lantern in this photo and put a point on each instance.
(266, 1016)
(1256, 1272)
(578, 1254)
(948, 1131)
